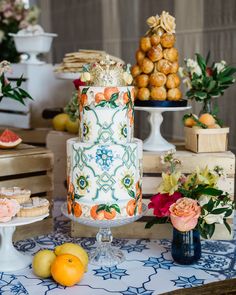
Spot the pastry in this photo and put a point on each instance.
(157, 79)
(171, 54)
(158, 93)
(15, 193)
(147, 66)
(135, 70)
(174, 67)
(145, 44)
(155, 53)
(142, 80)
(172, 81)
(167, 40)
(143, 94)
(164, 66)
(174, 94)
(34, 207)
(139, 56)
(155, 39)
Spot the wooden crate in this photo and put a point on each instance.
(35, 136)
(206, 140)
(152, 168)
(29, 167)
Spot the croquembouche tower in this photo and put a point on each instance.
(104, 163)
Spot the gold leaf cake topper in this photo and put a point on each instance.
(106, 72)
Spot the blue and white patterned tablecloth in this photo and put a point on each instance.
(148, 269)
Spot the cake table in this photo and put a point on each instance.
(10, 258)
(155, 141)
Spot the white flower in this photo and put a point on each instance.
(85, 76)
(2, 34)
(127, 78)
(220, 66)
(193, 67)
(214, 218)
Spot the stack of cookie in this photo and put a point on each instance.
(155, 72)
(28, 206)
(73, 62)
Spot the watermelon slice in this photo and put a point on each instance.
(9, 139)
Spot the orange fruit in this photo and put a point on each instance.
(207, 119)
(67, 270)
(110, 215)
(189, 122)
(84, 99)
(125, 98)
(69, 206)
(109, 91)
(77, 209)
(99, 97)
(130, 207)
(95, 215)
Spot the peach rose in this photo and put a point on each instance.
(184, 214)
(8, 209)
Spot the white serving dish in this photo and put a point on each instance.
(33, 45)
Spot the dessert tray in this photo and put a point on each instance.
(10, 258)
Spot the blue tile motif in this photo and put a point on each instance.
(135, 291)
(187, 282)
(104, 158)
(158, 262)
(110, 273)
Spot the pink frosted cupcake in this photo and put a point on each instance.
(8, 209)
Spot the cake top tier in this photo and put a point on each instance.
(106, 72)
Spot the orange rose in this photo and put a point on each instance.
(184, 214)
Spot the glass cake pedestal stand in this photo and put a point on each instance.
(105, 254)
(10, 258)
(155, 141)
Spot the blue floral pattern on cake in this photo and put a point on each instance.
(104, 158)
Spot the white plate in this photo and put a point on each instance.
(68, 76)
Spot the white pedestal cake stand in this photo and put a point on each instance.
(155, 142)
(104, 254)
(10, 258)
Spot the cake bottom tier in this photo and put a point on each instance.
(104, 181)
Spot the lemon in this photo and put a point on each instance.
(42, 262)
(72, 126)
(59, 122)
(74, 249)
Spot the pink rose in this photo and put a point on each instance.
(8, 209)
(184, 214)
(162, 202)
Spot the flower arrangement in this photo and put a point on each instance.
(205, 82)
(6, 88)
(190, 201)
(14, 16)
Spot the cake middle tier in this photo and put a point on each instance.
(106, 114)
(108, 176)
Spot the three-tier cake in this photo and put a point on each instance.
(104, 165)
